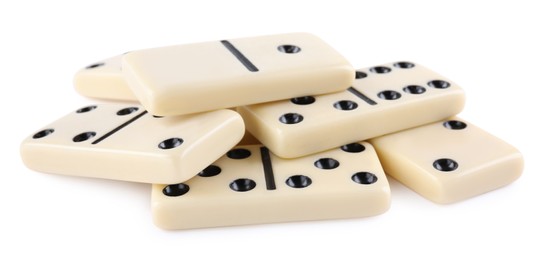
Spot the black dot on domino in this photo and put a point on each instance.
(380, 69)
(242, 185)
(414, 89)
(360, 75)
(326, 163)
(389, 95)
(289, 49)
(43, 133)
(353, 148)
(364, 178)
(454, 125)
(127, 111)
(404, 65)
(95, 65)
(298, 181)
(176, 190)
(303, 100)
(170, 143)
(291, 118)
(211, 170)
(85, 109)
(238, 153)
(345, 105)
(83, 137)
(438, 84)
(154, 116)
(445, 165)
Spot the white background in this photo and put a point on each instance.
(495, 51)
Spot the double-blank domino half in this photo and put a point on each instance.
(125, 142)
(449, 161)
(250, 185)
(384, 99)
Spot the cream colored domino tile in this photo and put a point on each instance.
(449, 161)
(250, 185)
(384, 99)
(198, 77)
(121, 142)
(104, 80)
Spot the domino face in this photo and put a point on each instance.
(250, 185)
(104, 80)
(449, 161)
(199, 77)
(384, 99)
(124, 142)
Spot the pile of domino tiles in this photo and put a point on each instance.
(270, 129)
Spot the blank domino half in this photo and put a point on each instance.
(199, 77)
(123, 142)
(250, 185)
(384, 99)
(103, 79)
(449, 161)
